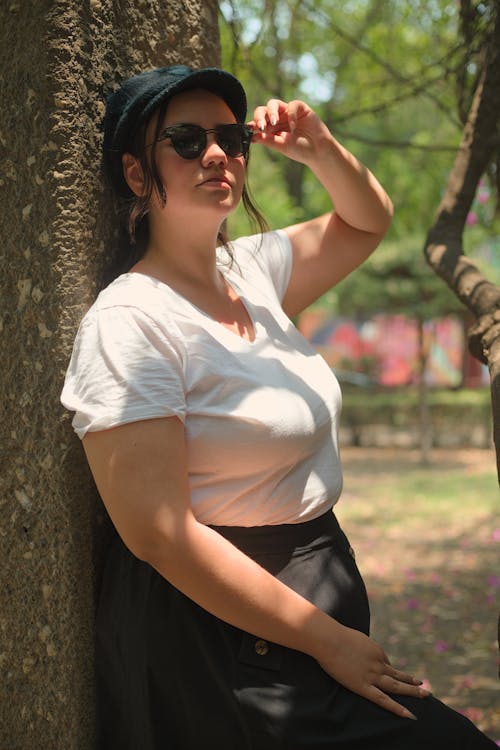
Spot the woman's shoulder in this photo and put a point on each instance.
(133, 290)
(252, 247)
(132, 302)
(264, 259)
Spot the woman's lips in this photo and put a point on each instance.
(218, 181)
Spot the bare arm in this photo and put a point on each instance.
(140, 471)
(328, 248)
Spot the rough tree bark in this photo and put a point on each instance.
(444, 248)
(59, 59)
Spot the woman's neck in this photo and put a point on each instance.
(185, 254)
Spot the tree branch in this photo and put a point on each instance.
(479, 144)
(443, 248)
(388, 143)
(421, 87)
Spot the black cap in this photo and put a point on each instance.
(138, 97)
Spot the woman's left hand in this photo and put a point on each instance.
(292, 128)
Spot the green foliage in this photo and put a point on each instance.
(399, 408)
(392, 80)
(397, 280)
(439, 398)
(374, 72)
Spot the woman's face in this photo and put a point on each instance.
(212, 182)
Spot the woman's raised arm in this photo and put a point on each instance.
(329, 247)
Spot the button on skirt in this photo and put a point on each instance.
(171, 676)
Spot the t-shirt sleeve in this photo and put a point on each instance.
(276, 254)
(124, 368)
(271, 255)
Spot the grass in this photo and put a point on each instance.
(427, 541)
(435, 494)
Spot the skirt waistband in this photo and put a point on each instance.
(281, 538)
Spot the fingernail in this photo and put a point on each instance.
(409, 715)
(424, 693)
(273, 121)
(417, 682)
(262, 126)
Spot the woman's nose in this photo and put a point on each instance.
(213, 153)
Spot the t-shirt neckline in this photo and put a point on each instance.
(236, 288)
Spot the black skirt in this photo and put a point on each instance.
(171, 676)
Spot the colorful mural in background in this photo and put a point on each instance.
(385, 349)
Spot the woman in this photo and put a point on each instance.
(232, 614)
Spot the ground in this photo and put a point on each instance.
(427, 541)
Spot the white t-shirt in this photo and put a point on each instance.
(261, 417)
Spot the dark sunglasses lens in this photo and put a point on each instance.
(189, 141)
(233, 139)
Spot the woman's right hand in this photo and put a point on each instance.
(362, 666)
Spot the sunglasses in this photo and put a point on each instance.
(190, 141)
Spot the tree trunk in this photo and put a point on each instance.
(443, 248)
(60, 58)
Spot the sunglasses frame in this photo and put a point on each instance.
(245, 131)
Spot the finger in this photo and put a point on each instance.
(403, 676)
(273, 110)
(260, 118)
(296, 109)
(392, 685)
(269, 115)
(292, 116)
(385, 701)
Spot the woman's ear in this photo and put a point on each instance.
(132, 172)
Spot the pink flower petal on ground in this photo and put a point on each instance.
(496, 535)
(494, 581)
(441, 647)
(467, 683)
(412, 604)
